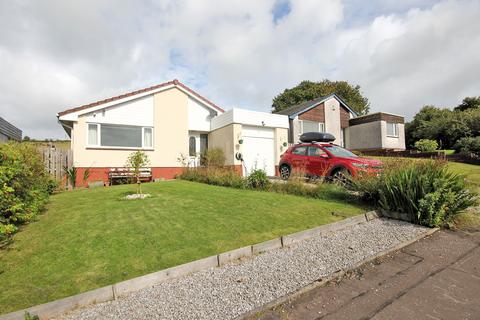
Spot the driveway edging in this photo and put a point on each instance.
(336, 275)
(113, 292)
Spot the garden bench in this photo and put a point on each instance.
(126, 175)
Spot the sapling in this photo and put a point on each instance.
(137, 160)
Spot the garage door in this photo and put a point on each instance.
(258, 149)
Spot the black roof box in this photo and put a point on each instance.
(317, 137)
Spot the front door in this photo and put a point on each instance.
(197, 144)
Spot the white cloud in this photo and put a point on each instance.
(404, 54)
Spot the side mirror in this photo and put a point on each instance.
(324, 155)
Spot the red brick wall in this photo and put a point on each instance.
(101, 174)
(316, 114)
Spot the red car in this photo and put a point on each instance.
(317, 159)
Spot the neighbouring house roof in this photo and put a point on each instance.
(132, 95)
(295, 110)
(378, 116)
(9, 130)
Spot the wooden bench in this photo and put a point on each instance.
(127, 175)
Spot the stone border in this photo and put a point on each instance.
(112, 292)
(335, 276)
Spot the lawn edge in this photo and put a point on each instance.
(114, 291)
(335, 276)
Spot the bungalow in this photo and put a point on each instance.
(168, 122)
(377, 131)
(173, 125)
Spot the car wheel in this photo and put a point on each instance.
(285, 172)
(341, 177)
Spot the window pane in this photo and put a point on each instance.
(300, 151)
(315, 152)
(309, 126)
(391, 129)
(147, 137)
(121, 136)
(92, 134)
(203, 142)
(192, 146)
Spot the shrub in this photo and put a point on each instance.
(468, 145)
(324, 191)
(213, 157)
(24, 186)
(220, 176)
(426, 190)
(258, 179)
(426, 145)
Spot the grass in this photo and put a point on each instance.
(91, 238)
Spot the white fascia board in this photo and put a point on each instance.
(249, 117)
(74, 115)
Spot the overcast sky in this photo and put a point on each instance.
(403, 53)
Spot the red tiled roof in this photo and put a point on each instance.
(129, 94)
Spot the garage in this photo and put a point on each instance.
(258, 149)
(250, 139)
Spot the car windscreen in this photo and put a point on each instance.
(340, 152)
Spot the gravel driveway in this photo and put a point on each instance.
(231, 290)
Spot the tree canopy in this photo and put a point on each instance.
(443, 125)
(309, 90)
(468, 103)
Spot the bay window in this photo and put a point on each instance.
(119, 136)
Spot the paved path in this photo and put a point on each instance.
(435, 278)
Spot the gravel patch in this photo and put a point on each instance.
(231, 290)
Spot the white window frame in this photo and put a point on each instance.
(98, 134)
(395, 130)
(321, 126)
(99, 139)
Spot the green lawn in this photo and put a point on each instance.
(471, 172)
(91, 238)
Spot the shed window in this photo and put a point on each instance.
(392, 129)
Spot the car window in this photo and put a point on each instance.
(340, 152)
(315, 151)
(300, 151)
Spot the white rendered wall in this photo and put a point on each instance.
(332, 119)
(138, 112)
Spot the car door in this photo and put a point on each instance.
(317, 162)
(298, 158)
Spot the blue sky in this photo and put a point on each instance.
(239, 53)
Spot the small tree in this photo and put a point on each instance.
(426, 145)
(137, 160)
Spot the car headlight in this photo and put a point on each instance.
(360, 165)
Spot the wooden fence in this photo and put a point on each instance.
(55, 160)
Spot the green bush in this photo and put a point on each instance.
(426, 190)
(468, 145)
(324, 191)
(213, 157)
(226, 177)
(426, 145)
(258, 179)
(24, 186)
